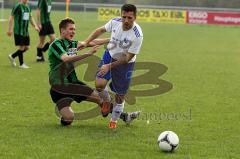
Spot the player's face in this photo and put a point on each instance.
(24, 1)
(69, 32)
(128, 19)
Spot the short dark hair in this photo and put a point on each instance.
(129, 8)
(63, 24)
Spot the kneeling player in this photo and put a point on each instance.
(65, 86)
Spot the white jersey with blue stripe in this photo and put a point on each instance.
(123, 41)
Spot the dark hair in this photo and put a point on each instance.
(63, 24)
(129, 8)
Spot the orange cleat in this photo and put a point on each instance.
(112, 125)
(105, 108)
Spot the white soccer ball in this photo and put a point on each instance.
(168, 141)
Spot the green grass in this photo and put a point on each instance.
(203, 64)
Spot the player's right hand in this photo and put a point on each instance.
(37, 28)
(40, 26)
(81, 45)
(9, 33)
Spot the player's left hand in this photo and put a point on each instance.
(103, 70)
(9, 33)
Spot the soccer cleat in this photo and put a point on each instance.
(24, 66)
(64, 122)
(105, 108)
(12, 60)
(112, 125)
(131, 116)
(40, 59)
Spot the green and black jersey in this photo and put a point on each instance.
(45, 9)
(62, 72)
(22, 14)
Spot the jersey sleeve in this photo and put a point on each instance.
(136, 45)
(15, 10)
(39, 4)
(57, 50)
(108, 26)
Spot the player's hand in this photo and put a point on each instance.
(93, 50)
(81, 45)
(103, 70)
(9, 33)
(40, 26)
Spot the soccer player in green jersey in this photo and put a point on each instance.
(21, 15)
(65, 86)
(45, 26)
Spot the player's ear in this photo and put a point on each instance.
(62, 31)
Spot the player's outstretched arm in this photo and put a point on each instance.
(99, 41)
(32, 21)
(93, 43)
(75, 58)
(10, 25)
(38, 12)
(91, 37)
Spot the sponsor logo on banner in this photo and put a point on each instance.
(146, 15)
(105, 14)
(225, 18)
(218, 18)
(168, 16)
(197, 17)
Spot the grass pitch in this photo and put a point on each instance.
(202, 107)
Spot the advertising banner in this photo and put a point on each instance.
(168, 16)
(197, 17)
(146, 15)
(224, 18)
(218, 18)
(105, 14)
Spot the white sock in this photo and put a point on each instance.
(117, 111)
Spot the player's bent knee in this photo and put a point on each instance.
(100, 84)
(100, 87)
(119, 98)
(26, 48)
(22, 48)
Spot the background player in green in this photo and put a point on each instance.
(45, 26)
(65, 86)
(21, 15)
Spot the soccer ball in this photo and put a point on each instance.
(168, 141)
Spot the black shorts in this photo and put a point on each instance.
(64, 95)
(47, 29)
(21, 40)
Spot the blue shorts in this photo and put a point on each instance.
(120, 75)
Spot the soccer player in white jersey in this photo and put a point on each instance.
(118, 60)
